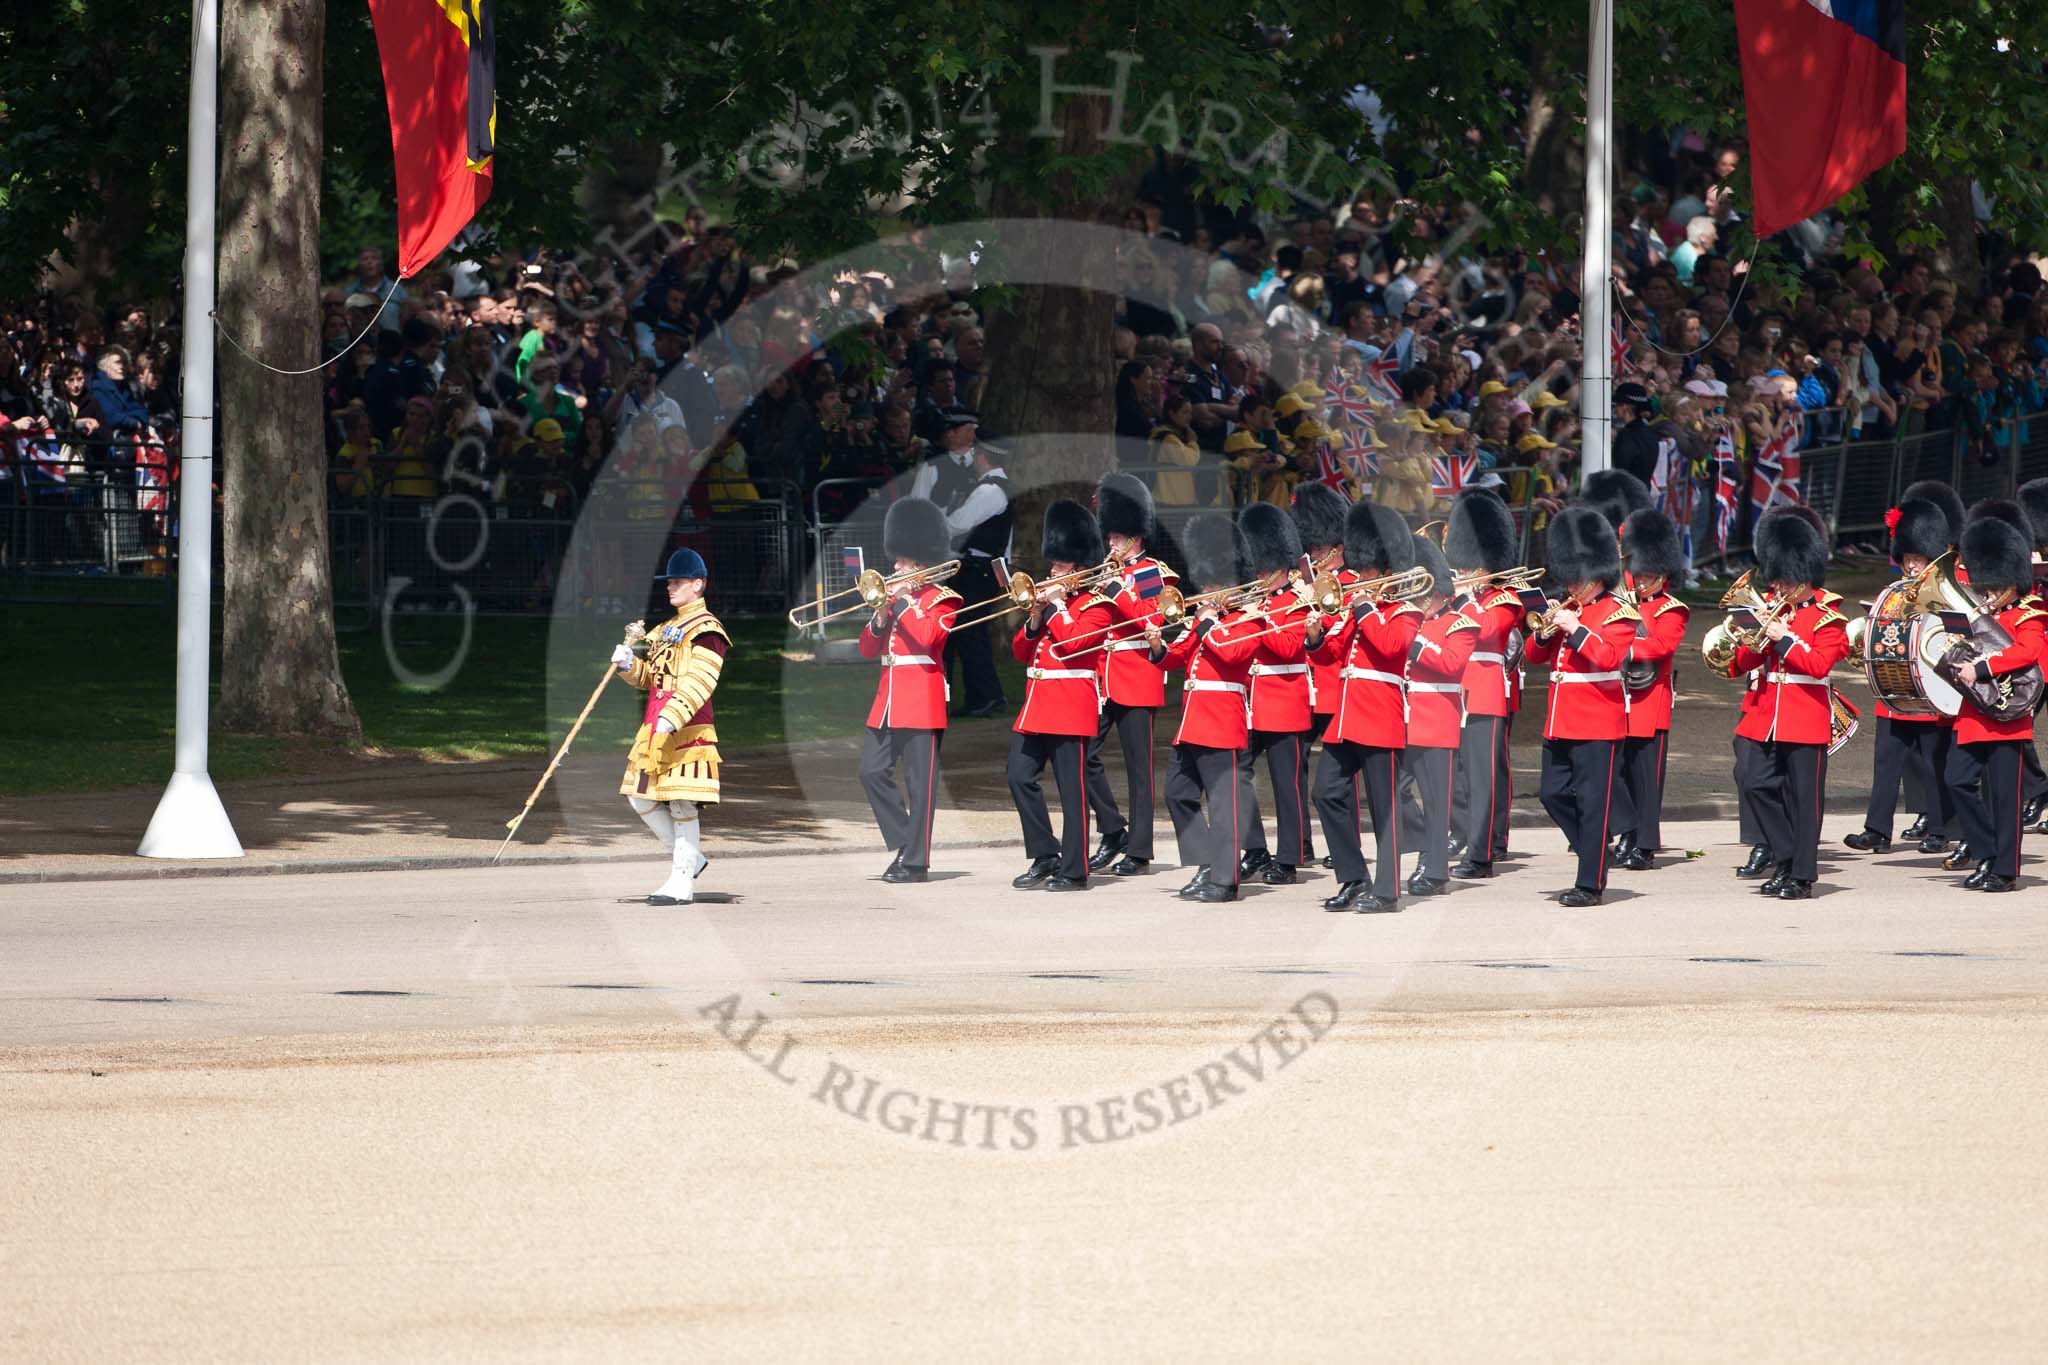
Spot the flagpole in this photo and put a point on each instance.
(190, 821)
(1596, 368)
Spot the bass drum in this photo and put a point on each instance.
(1900, 646)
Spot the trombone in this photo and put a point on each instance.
(1520, 578)
(874, 590)
(1024, 592)
(1328, 597)
(1174, 609)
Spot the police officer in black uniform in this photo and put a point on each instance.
(975, 495)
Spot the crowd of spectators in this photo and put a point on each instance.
(1360, 344)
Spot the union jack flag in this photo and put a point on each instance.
(1725, 471)
(1347, 405)
(1448, 474)
(153, 480)
(1622, 364)
(1362, 453)
(1380, 376)
(1672, 492)
(1774, 479)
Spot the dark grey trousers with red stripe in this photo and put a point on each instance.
(1133, 726)
(1578, 791)
(915, 754)
(1200, 777)
(1286, 753)
(1338, 775)
(1067, 756)
(1783, 793)
(1483, 790)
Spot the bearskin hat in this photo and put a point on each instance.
(1123, 506)
(915, 529)
(1377, 539)
(1613, 493)
(1649, 542)
(1215, 551)
(1997, 555)
(1941, 495)
(1429, 557)
(1789, 549)
(1071, 535)
(2034, 502)
(1270, 540)
(1998, 509)
(1921, 529)
(1319, 515)
(1579, 547)
(1481, 533)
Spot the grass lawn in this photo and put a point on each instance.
(77, 725)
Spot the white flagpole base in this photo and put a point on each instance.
(190, 822)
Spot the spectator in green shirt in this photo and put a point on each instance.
(539, 336)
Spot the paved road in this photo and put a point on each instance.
(828, 1119)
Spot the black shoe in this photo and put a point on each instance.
(1975, 881)
(1759, 862)
(899, 874)
(1578, 898)
(1469, 871)
(2030, 813)
(894, 863)
(1214, 893)
(1035, 875)
(1997, 883)
(986, 709)
(1346, 894)
(1375, 905)
(1916, 830)
(1129, 867)
(1277, 874)
(1456, 848)
(1419, 885)
(1067, 884)
(1252, 861)
(1639, 859)
(1934, 843)
(1329, 864)
(1868, 841)
(1793, 890)
(1195, 883)
(1500, 852)
(1958, 860)
(1623, 846)
(1109, 849)
(1779, 876)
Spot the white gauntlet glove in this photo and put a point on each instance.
(664, 726)
(622, 655)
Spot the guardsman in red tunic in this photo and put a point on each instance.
(1792, 718)
(1649, 543)
(1922, 787)
(1062, 705)
(1319, 512)
(1480, 539)
(1585, 641)
(1215, 652)
(1370, 644)
(2033, 500)
(1280, 714)
(1436, 711)
(1986, 765)
(1133, 687)
(908, 718)
(1920, 535)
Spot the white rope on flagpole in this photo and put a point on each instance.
(391, 287)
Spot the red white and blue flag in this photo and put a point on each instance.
(153, 480)
(853, 561)
(1147, 582)
(1774, 477)
(1622, 364)
(1381, 376)
(1727, 472)
(1671, 492)
(1346, 405)
(1824, 82)
(1449, 474)
(1362, 453)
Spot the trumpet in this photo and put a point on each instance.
(1025, 592)
(1545, 622)
(873, 590)
(1475, 581)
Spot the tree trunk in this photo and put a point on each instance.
(1553, 170)
(1049, 359)
(280, 672)
(1957, 217)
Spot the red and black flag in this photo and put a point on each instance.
(1824, 82)
(440, 81)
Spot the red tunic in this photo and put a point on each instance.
(1487, 685)
(1323, 684)
(1436, 670)
(1795, 704)
(1658, 641)
(1280, 678)
(1587, 700)
(2027, 623)
(912, 692)
(1061, 695)
(1217, 660)
(1129, 677)
(1372, 649)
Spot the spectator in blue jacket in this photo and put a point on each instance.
(118, 401)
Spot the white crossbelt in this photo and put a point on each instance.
(1271, 670)
(1203, 685)
(1121, 646)
(901, 660)
(1481, 656)
(1567, 675)
(1452, 688)
(1056, 674)
(1371, 675)
(1799, 679)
